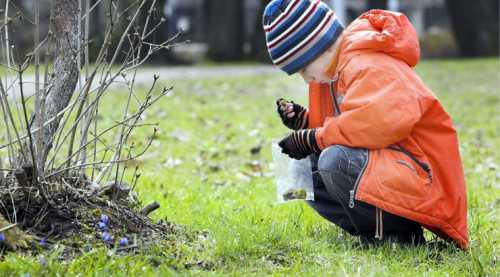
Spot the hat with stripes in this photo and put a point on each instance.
(298, 31)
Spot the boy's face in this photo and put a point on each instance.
(316, 70)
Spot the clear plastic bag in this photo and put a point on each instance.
(293, 178)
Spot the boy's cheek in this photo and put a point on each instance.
(305, 77)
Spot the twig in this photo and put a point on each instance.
(8, 54)
(141, 110)
(132, 117)
(88, 119)
(33, 159)
(46, 123)
(9, 137)
(122, 132)
(103, 162)
(38, 100)
(78, 115)
(87, 13)
(8, 227)
(150, 208)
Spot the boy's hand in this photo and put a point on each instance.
(300, 144)
(294, 116)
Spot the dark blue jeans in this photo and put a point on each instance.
(336, 173)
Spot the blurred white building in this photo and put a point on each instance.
(348, 10)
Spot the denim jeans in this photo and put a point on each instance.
(336, 173)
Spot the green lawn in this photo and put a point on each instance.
(202, 172)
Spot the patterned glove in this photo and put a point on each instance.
(293, 116)
(300, 144)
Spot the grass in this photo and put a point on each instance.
(202, 172)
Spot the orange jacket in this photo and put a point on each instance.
(414, 168)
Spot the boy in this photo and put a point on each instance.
(384, 152)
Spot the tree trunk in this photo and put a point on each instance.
(64, 21)
(475, 26)
(377, 4)
(225, 27)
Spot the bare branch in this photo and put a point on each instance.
(38, 96)
(32, 151)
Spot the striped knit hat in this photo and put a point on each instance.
(298, 31)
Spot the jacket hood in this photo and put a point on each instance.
(384, 31)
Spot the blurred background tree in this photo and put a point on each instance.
(475, 25)
(376, 4)
(229, 30)
(225, 21)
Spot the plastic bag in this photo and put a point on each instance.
(293, 178)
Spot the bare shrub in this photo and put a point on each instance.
(61, 165)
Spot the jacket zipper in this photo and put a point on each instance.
(337, 112)
(352, 192)
(422, 165)
(348, 214)
(333, 92)
(379, 224)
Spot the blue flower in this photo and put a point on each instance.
(123, 242)
(104, 219)
(102, 225)
(106, 237)
(43, 242)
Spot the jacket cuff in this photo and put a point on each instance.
(305, 125)
(319, 138)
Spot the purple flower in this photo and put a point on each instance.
(102, 225)
(123, 242)
(106, 237)
(2, 237)
(43, 242)
(104, 219)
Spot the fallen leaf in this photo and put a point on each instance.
(171, 162)
(255, 165)
(253, 133)
(243, 177)
(180, 135)
(256, 149)
(214, 167)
